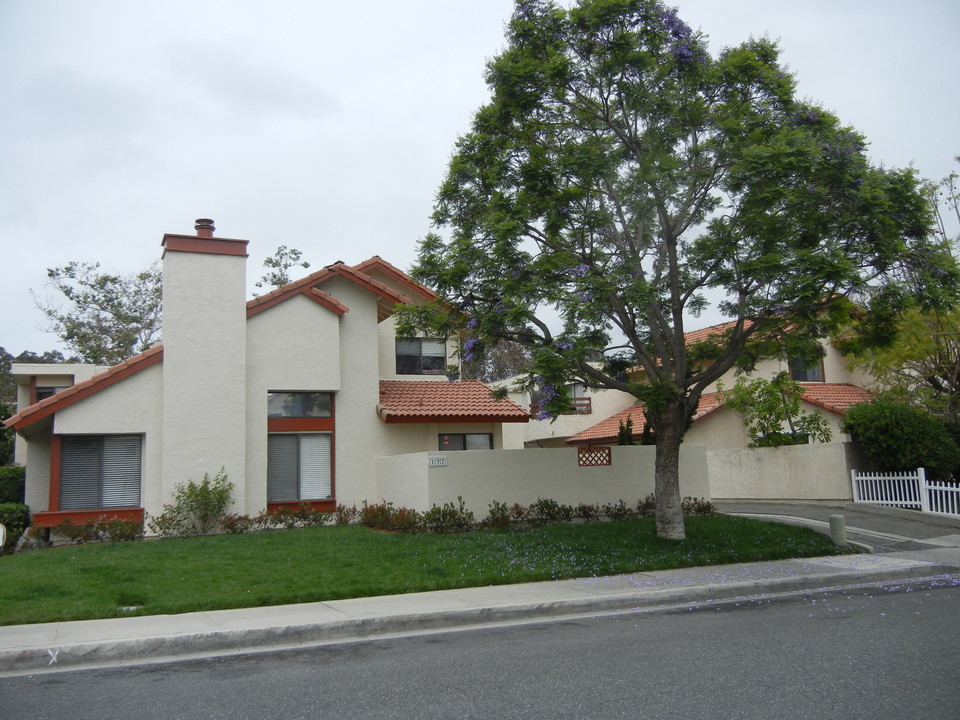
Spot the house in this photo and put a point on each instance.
(294, 394)
(829, 387)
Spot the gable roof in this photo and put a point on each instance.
(377, 263)
(419, 401)
(306, 284)
(833, 397)
(68, 396)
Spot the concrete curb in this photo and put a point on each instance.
(143, 640)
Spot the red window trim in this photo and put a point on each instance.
(310, 424)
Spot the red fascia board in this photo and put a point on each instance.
(48, 406)
(204, 245)
(397, 274)
(368, 283)
(256, 306)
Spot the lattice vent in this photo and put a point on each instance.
(593, 456)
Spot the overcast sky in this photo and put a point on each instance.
(327, 126)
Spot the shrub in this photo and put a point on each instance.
(587, 512)
(102, 529)
(498, 516)
(547, 510)
(896, 437)
(197, 508)
(237, 524)
(406, 520)
(16, 518)
(12, 480)
(376, 516)
(346, 515)
(518, 513)
(647, 506)
(617, 511)
(449, 517)
(696, 506)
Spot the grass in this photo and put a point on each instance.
(326, 563)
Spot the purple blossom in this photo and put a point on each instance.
(544, 415)
(586, 296)
(581, 270)
(565, 345)
(472, 323)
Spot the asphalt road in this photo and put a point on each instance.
(875, 653)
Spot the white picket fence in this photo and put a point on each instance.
(907, 490)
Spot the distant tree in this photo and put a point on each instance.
(619, 171)
(501, 360)
(625, 432)
(922, 367)
(773, 414)
(278, 267)
(107, 317)
(8, 392)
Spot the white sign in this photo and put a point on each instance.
(437, 460)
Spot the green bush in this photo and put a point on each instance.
(16, 518)
(449, 517)
(12, 480)
(498, 516)
(617, 511)
(197, 509)
(102, 529)
(894, 437)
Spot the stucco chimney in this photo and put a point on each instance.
(204, 357)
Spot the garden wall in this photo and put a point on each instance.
(523, 476)
(819, 471)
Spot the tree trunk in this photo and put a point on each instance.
(670, 430)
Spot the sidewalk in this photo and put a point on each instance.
(930, 550)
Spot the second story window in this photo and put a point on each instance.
(421, 356)
(806, 370)
(299, 404)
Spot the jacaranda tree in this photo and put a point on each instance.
(620, 174)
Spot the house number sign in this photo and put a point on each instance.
(437, 460)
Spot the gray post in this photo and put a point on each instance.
(838, 530)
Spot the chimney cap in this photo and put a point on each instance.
(204, 227)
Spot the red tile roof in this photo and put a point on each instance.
(703, 334)
(606, 431)
(338, 269)
(419, 401)
(834, 397)
(378, 263)
(74, 393)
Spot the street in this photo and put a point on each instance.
(879, 652)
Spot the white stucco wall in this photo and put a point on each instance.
(132, 406)
(523, 476)
(293, 346)
(204, 367)
(796, 472)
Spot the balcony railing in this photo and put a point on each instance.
(581, 406)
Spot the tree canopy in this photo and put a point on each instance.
(107, 317)
(620, 176)
(922, 366)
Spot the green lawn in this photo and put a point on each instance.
(326, 563)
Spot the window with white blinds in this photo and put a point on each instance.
(100, 471)
(298, 467)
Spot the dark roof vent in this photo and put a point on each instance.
(204, 227)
